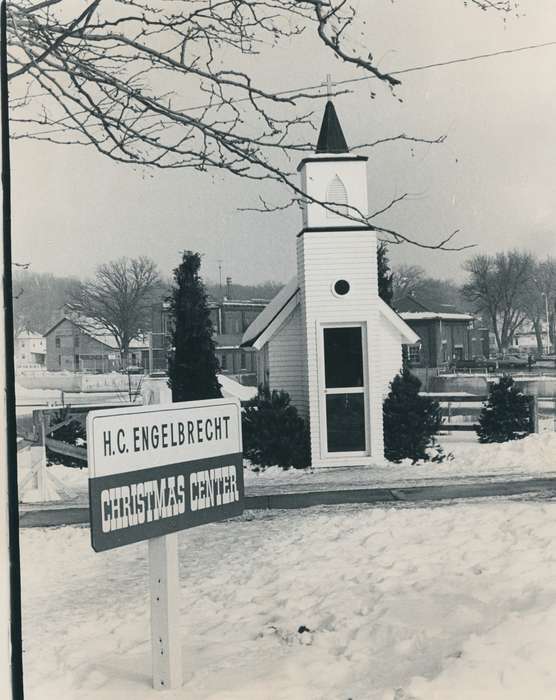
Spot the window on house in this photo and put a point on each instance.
(57, 341)
(336, 195)
(414, 354)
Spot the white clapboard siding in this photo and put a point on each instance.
(323, 258)
(286, 361)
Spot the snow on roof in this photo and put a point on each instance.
(29, 335)
(265, 318)
(407, 333)
(232, 388)
(412, 304)
(431, 315)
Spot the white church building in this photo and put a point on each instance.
(327, 338)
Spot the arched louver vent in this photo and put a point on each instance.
(336, 195)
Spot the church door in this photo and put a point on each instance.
(345, 390)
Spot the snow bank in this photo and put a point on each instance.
(533, 456)
(400, 603)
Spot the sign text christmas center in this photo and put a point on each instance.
(158, 469)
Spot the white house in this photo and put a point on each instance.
(29, 350)
(327, 338)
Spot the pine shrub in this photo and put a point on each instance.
(274, 432)
(193, 365)
(410, 420)
(506, 414)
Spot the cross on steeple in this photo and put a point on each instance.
(329, 84)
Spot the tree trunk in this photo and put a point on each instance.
(538, 335)
(124, 352)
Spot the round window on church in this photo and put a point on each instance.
(341, 287)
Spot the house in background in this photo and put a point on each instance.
(327, 338)
(525, 339)
(446, 334)
(230, 318)
(29, 350)
(79, 347)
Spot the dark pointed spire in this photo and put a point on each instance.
(331, 136)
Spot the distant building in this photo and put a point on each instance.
(230, 318)
(30, 350)
(446, 334)
(525, 338)
(78, 347)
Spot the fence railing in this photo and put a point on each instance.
(452, 411)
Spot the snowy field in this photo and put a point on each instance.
(453, 602)
(534, 456)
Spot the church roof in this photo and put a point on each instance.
(331, 136)
(266, 317)
(269, 321)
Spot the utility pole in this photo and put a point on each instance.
(545, 295)
(11, 664)
(220, 277)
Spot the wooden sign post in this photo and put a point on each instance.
(165, 628)
(156, 470)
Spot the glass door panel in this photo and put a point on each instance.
(345, 422)
(344, 389)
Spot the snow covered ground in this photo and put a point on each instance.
(452, 602)
(534, 456)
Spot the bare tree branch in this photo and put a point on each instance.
(120, 77)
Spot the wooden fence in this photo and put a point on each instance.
(448, 409)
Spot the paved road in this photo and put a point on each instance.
(46, 516)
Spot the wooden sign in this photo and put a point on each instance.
(154, 470)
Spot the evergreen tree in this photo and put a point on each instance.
(506, 414)
(385, 289)
(193, 365)
(410, 420)
(274, 432)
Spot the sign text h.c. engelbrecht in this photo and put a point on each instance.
(159, 469)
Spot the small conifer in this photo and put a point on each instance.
(193, 366)
(410, 420)
(274, 432)
(506, 414)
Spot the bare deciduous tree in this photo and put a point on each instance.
(118, 299)
(539, 300)
(497, 287)
(153, 83)
(406, 279)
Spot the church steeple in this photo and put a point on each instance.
(331, 136)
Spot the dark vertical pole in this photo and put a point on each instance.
(11, 440)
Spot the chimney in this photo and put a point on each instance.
(228, 287)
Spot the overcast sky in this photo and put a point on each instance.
(494, 178)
